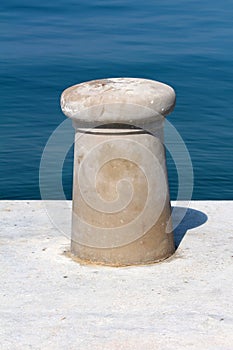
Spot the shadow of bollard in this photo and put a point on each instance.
(191, 218)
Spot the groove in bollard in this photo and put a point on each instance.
(121, 206)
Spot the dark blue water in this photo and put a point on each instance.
(48, 46)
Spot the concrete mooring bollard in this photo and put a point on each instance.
(121, 206)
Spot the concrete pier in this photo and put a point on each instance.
(49, 301)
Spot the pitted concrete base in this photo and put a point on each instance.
(49, 301)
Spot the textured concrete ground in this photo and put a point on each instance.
(48, 301)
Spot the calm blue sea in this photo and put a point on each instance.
(47, 46)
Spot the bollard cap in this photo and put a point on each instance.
(117, 100)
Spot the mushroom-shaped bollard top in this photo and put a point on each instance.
(117, 100)
(121, 207)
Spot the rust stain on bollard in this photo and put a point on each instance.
(121, 205)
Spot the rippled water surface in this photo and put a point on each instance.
(48, 46)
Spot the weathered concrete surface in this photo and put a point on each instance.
(48, 301)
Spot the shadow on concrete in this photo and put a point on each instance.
(185, 219)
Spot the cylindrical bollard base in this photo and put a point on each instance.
(121, 207)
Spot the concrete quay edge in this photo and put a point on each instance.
(49, 301)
